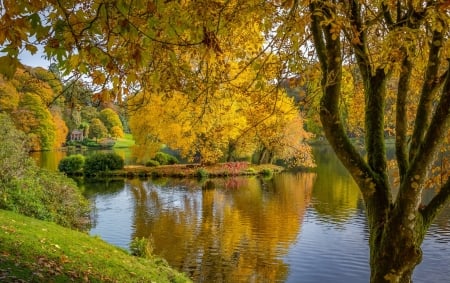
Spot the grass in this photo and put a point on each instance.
(192, 170)
(36, 251)
(126, 141)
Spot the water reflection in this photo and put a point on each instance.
(217, 233)
(335, 194)
(293, 228)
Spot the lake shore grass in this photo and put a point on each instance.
(125, 142)
(195, 170)
(37, 251)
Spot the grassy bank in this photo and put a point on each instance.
(126, 141)
(191, 171)
(38, 251)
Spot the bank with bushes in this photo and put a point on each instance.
(112, 165)
(43, 222)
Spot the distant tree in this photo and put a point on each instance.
(88, 113)
(116, 132)
(34, 118)
(9, 97)
(97, 130)
(60, 128)
(110, 119)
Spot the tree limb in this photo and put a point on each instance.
(401, 123)
(410, 188)
(430, 87)
(329, 52)
(436, 205)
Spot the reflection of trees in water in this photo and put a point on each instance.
(335, 191)
(100, 186)
(222, 234)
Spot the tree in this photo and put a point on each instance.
(61, 129)
(97, 130)
(383, 38)
(33, 118)
(111, 120)
(9, 97)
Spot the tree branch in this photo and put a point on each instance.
(436, 205)
(328, 47)
(430, 87)
(408, 199)
(316, 18)
(401, 123)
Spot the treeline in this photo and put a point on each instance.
(47, 109)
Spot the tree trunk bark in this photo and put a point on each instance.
(395, 248)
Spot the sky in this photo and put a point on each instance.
(35, 60)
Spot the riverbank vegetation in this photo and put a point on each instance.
(45, 251)
(40, 251)
(27, 189)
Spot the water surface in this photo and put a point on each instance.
(295, 227)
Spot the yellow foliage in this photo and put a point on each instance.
(60, 128)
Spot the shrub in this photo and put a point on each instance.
(266, 172)
(202, 173)
(173, 160)
(29, 190)
(100, 162)
(71, 164)
(141, 247)
(152, 163)
(164, 158)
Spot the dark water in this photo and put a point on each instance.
(296, 227)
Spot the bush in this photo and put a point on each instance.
(71, 164)
(141, 247)
(100, 162)
(202, 173)
(164, 158)
(173, 160)
(48, 196)
(266, 172)
(152, 163)
(29, 190)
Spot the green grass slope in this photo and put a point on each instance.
(36, 251)
(126, 141)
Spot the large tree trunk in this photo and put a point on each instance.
(395, 250)
(397, 227)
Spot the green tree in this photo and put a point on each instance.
(111, 119)
(97, 130)
(14, 159)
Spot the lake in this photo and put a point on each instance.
(294, 227)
